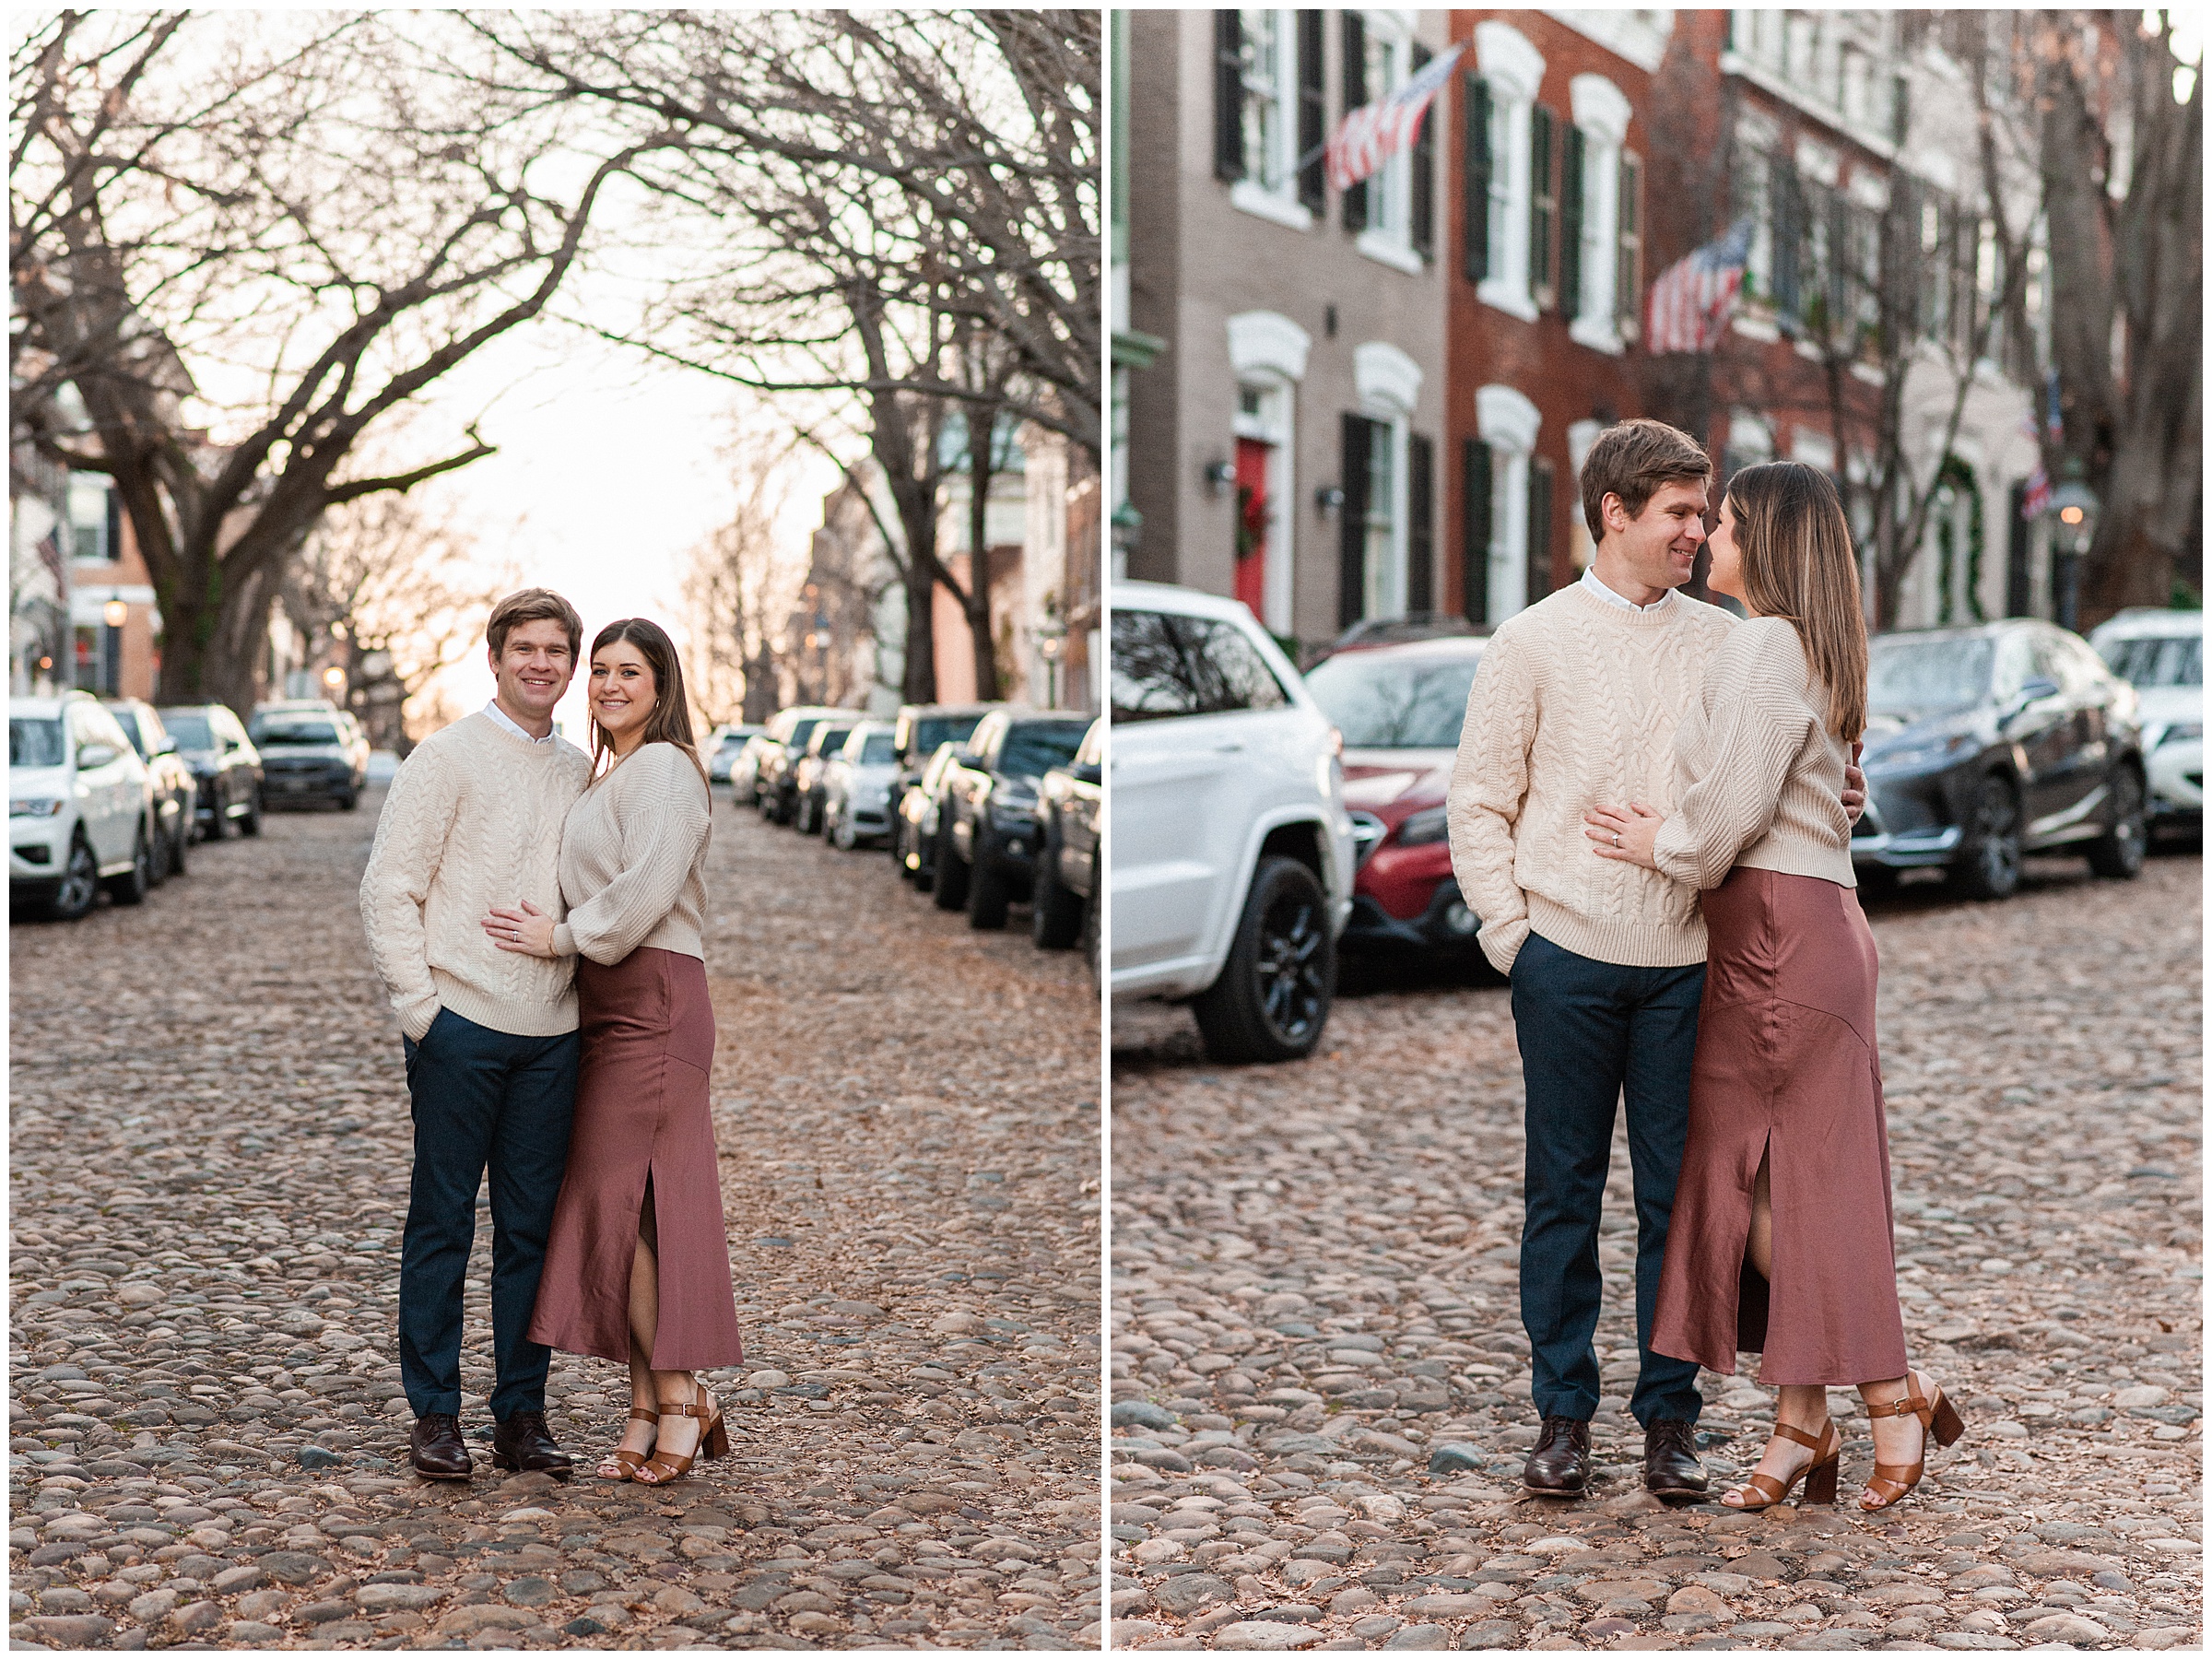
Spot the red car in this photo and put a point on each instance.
(1400, 709)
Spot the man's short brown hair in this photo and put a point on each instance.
(1631, 460)
(532, 604)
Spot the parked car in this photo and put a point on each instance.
(914, 824)
(1063, 903)
(1370, 634)
(80, 807)
(987, 829)
(310, 750)
(919, 728)
(723, 747)
(1986, 743)
(822, 743)
(745, 770)
(224, 763)
(1231, 858)
(2161, 654)
(782, 744)
(176, 792)
(857, 785)
(1400, 709)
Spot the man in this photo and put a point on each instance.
(1575, 705)
(474, 820)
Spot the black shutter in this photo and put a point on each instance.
(115, 500)
(1424, 173)
(1312, 113)
(1420, 524)
(1789, 232)
(1228, 95)
(1542, 205)
(1474, 532)
(1570, 226)
(1351, 580)
(2016, 554)
(1475, 105)
(1539, 528)
(1355, 94)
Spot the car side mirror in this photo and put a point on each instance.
(2036, 689)
(90, 758)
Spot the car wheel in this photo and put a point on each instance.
(988, 895)
(178, 843)
(131, 887)
(1989, 860)
(842, 833)
(2118, 853)
(1272, 999)
(79, 886)
(951, 893)
(349, 801)
(250, 823)
(1876, 882)
(1055, 915)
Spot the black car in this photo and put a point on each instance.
(225, 765)
(805, 780)
(1063, 903)
(914, 819)
(780, 747)
(176, 792)
(1986, 743)
(309, 751)
(987, 829)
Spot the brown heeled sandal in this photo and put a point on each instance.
(1939, 1420)
(1819, 1476)
(623, 1456)
(714, 1442)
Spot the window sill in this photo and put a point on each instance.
(1271, 206)
(1597, 336)
(1514, 303)
(1386, 250)
(1757, 328)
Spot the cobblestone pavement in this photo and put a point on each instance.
(210, 1171)
(1320, 1382)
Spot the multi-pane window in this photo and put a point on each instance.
(1748, 181)
(1501, 183)
(1264, 50)
(1627, 248)
(1380, 522)
(92, 518)
(1386, 206)
(1543, 202)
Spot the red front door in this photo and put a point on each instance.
(1253, 510)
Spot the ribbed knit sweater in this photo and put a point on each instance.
(1759, 776)
(1575, 705)
(472, 821)
(633, 858)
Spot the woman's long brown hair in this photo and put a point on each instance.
(1798, 563)
(670, 722)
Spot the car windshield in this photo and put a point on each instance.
(834, 740)
(278, 732)
(932, 730)
(1903, 673)
(2158, 659)
(1032, 751)
(33, 743)
(731, 743)
(877, 751)
(1383, 701)
(801, 731)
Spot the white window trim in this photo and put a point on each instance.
(1392, 244)
(1601, 112)
(1388, 386)
(1508, 422)
(1639, 36)
(1280, 205)
(1263, 203)
(1514, 70)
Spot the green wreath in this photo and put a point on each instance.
(1958, 477)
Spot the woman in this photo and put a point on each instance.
(638, 1265)
(1780, 1242)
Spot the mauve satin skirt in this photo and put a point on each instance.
(647, 1031)
(1786, 1066)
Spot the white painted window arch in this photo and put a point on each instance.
(1513, 69)
(1507, 422)
(1601, 114)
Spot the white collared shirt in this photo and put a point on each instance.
(1590, 581)
(502, 718)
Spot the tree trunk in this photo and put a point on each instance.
(983, 424)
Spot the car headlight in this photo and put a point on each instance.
(1429, 824)
(36, 806)
(1920, 755)
(2182, 732)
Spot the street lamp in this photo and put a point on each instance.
(115, 613)
(2072, 511)
(334, 679)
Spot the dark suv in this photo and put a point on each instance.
(1064, 898)
(224, 763)
(176, 792)
(987, 829)
(310, 751)
(774, 787)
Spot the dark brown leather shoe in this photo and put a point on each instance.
(522, 1442)
(436, 1449)
(1560, 1463)
(1670, 1459)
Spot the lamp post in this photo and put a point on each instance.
(114, 614)
(2073, 516)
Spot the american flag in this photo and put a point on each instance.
(1694, 297)
(1373, 134)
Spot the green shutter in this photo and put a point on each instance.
(1423, 229)
(1228, 96)
(1571, 227)
(1540, 202)
(1474, 531)
(1355, 94)
(1420, 524)
(1312, 113)
(1539, 528)
(1351, 578)
(1475, 105)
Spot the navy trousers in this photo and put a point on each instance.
(480, 1099)
(1589, 1033)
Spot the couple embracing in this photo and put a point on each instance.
(535, 914)
(1710, 962)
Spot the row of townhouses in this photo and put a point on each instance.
(1340, 405)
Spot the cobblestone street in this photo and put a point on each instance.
(1321, 1386)
(209, 1166)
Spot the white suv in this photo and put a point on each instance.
(1229, 851)
(2161, 654)
(80, 807)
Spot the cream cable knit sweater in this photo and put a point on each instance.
(1759, 777)
(1573, 706)
(632, 858)
(473, 820)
